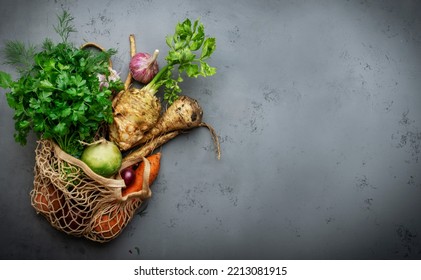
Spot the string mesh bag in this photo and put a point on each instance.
(79, 202)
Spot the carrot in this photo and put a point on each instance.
(137, 185)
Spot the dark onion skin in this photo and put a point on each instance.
(128, 175)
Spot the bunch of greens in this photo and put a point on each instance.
(189, 49)
(58, 94)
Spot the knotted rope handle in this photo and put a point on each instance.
(108, 182)
(95, 45)
(132, 53)
(118, 184)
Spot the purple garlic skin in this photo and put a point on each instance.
(144, 67)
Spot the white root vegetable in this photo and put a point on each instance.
(135, 112)
(147, 149)
(184, 114)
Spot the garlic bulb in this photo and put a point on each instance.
(144, 67)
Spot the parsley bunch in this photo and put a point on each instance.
(58, 94)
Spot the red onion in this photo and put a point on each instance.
(128, 175)
(144, 67)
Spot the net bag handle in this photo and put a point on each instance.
(95, 45)
(108, 182)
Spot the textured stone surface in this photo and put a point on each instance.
(317, 104)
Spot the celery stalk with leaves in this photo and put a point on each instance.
(136, 111)
(58, 93)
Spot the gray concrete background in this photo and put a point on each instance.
(317, 104)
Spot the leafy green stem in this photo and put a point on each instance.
(64, 26)
(157, 81)
(189, 50)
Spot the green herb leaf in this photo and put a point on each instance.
(169, 39)
(206, 70)
(19, 55)
(198, 38)
(45, 84)
(189, 48)
(24, 124)
(64, 26)
(5, 80)
(66, 112)
(58, 96)
(192, 70)
(208, 48)
(60, 129)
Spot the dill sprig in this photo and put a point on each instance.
(65, 26)
(19, 55)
